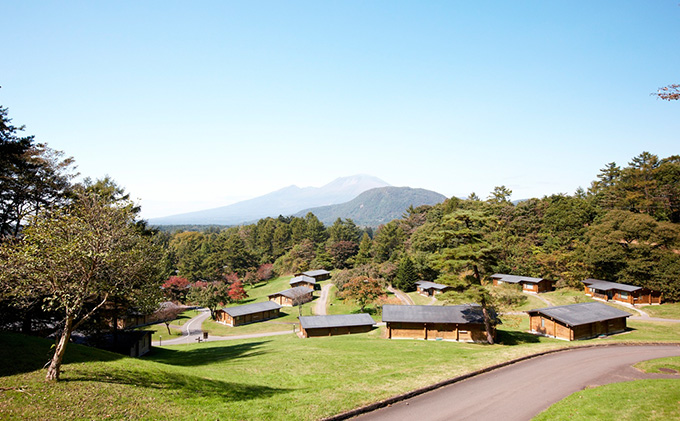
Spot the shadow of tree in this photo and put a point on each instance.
(208, 353)
(515, 337)
(30, 353)
(188, 385)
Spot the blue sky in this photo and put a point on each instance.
(197, 105)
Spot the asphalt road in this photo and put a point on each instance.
(522, 390)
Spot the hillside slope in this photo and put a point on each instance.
(285, 201)
(376, 206)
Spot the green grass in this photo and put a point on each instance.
(279, 377)
(339, 306)
(566, 296)
(666, 311)
(185, 316)
(654, 366)
(637, 400)
(531, 303)
(159, 329)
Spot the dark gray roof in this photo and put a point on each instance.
(608, 286)
(428, 285)
(293, 292)
(303, 278)
(515, 279)
(336, 320)
(466, 313)
(251, 308)
(317, 272)
(582, 313)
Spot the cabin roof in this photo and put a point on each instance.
(303, 278)
(515, 279)
(428, 285)
(293, 292)
(317, 272)
(336, 320)
(581, 313)
(608, 286)
(251, 308)
(466, 313)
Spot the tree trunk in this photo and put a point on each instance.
(167, 324)
(55, 364)
(487, 325)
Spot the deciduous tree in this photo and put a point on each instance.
(77, 257)
(362, 290)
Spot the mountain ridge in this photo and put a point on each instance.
(285, 201)
(376, 206)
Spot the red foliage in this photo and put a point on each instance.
(236, 291)
(176, 282)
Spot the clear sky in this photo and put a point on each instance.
(193, 105)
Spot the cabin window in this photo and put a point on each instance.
(463, 331)
(591, 289)
(624, 295)
(500, 282)
(542, 322)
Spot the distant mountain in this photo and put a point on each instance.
(281, 202)
(376, 206)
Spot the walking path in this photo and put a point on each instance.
(322, 303)
(523, 389)
(192, 331)
(402, 296)
(545, 300)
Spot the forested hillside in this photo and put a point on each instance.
(376, 206)
(624, 228)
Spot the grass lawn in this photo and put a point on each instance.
(637, 400)
(531, 303)
(339, 306)
(653, 366)
(256, 378)
(666, 311)
(159, 329)
(246, 379)
(566, 296)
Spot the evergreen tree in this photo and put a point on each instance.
(406, 277)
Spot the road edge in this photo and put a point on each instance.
(398, 398)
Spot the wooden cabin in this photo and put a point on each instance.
(529, 284)
(249, 313)
(430, 288)
(577, 321)
(337, 324)
(132, 343)
(463, 323)
(622, 293)
(292, 296)
(304, 281)
(318, 275)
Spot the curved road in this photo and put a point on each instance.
(522, 390)
(401, 295)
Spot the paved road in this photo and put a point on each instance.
(522, 390)
(191, 330)
(322, 303)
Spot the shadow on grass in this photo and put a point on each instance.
(515, 337)
(23, 354)
(191, 387)
(207, 354)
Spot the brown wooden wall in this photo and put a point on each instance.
(302, 284)
(286, 301)
(642, 296)
(222, 317)
(333, 331)
(546, 326)
(448, 331)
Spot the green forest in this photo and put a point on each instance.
(625, 228)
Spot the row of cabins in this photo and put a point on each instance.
(595, 288)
